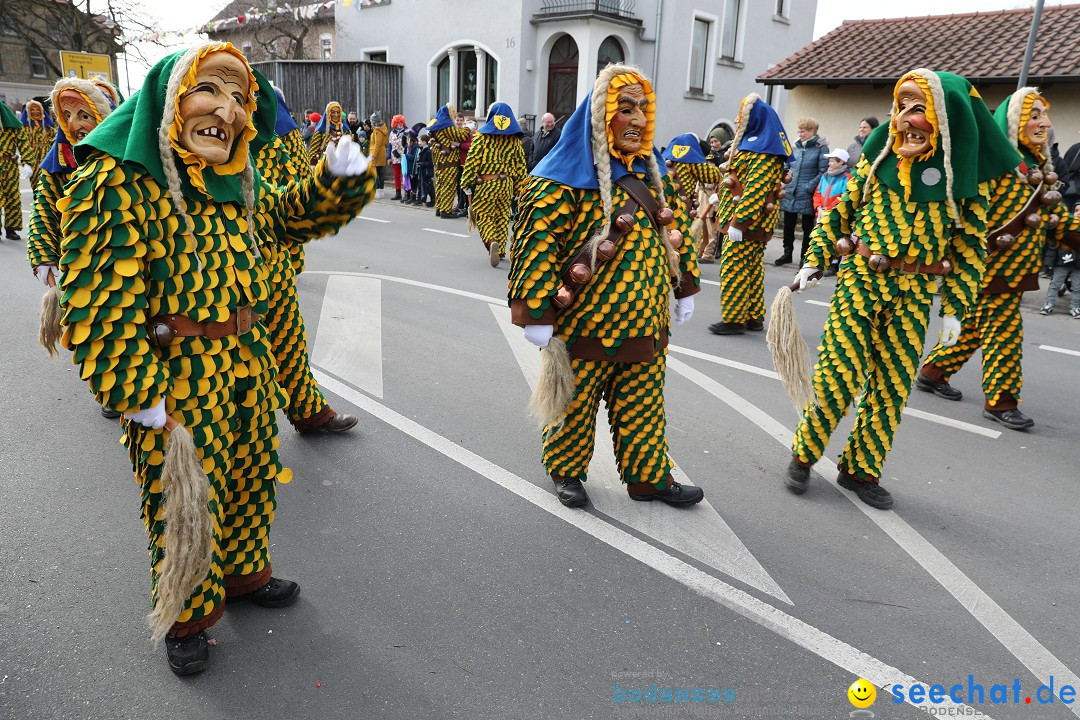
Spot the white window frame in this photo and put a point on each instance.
(367, 52)
(325, 38)
(783, 8)
(710, 52)
(31, 55)
(245, 48)
(740, 23)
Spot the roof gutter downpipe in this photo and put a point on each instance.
(656, 47)
(1035, 20)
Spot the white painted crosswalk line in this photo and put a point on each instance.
(699, 532)
(349, 338)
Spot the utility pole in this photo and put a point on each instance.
(1030, 44)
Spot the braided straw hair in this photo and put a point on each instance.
(168, 156)
(602, 158)
(743, 120)
(1015, 116)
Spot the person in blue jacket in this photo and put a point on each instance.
(807, 168)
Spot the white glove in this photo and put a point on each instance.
(150, 417)
(714, 199)
(466, 191)
(345, 159)
(26, 171)
(806, 279)
(539, 335)
(950, 330)
(684, 309)
(43, 272)
(734, 234)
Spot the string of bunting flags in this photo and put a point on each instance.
(298, 12)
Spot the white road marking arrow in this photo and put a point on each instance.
(349, 339)
(699, 532)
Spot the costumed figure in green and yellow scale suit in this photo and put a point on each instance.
(494, 174)
(597, 253)
(330, 129)
(915, 209)
(280, 163)
(1025, 211)
(164, 277)
(10, 148)
(80, 105)
(692, 172)
(39, 131)
(747, 214)
(446, 139)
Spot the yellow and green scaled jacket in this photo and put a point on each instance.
(758, 173)
(919, 232)
(496, 154)
(622, 313)
(125, 259)
(43, 237)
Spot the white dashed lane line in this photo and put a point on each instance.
(1063, 351)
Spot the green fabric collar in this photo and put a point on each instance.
(8, 117)
(980, 151)
(130, 133)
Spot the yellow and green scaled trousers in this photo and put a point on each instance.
(996, 326)
(634, 395)
(873, 347)
(10, 201)
(742, 281)
(491, 199)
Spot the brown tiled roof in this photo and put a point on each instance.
(983, 47)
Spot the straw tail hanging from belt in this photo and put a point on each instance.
(49, 324)
(790, 355)
(189, 529)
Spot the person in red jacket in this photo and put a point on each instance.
(830, 188)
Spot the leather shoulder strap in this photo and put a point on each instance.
(633, 185)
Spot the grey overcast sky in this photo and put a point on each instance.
(185, 14)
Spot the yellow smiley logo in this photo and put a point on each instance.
(861, 693)
(679, 151)
(502, 122)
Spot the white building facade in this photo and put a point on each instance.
(543, 55)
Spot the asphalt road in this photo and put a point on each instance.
(441, 578)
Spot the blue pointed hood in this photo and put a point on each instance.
(442, 120)
(765, 133)
(285, 124)
(24, 116)
(500, 121)
(571, 161)
(685, 149)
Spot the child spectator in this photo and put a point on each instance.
(425, 171)
(829, 190)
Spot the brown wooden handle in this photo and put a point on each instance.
(170, 424)
(794, 287)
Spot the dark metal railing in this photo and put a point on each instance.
(615, 8)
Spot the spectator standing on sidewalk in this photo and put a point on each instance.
(544, 139)
(798, 205)
(829, 189)
(1065, 263)
(854, 151)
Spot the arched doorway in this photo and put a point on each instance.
(562, 78)
(610, 52)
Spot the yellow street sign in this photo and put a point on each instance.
(85, 65)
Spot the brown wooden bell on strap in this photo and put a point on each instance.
(624, 222)
(729, 181)
(844, 246)
(1033, 220)
(675, 238)
(786, 177)
(878, 263)
(946, 268)
(1034, 178)
(563, 297)
(1053, 221)
(1051, 178)
(1051, 197)
(605, 250)
(1004, 241)
(580, 273)
(665, 216)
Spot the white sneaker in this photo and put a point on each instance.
(1046, 309)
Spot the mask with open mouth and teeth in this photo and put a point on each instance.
(77, 113)
(630, 110)
(214, 110)
(913, 128)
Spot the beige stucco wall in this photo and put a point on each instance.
(839, 110)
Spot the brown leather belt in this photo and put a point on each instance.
(492, 176)
(162, 329)
(881, 263)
